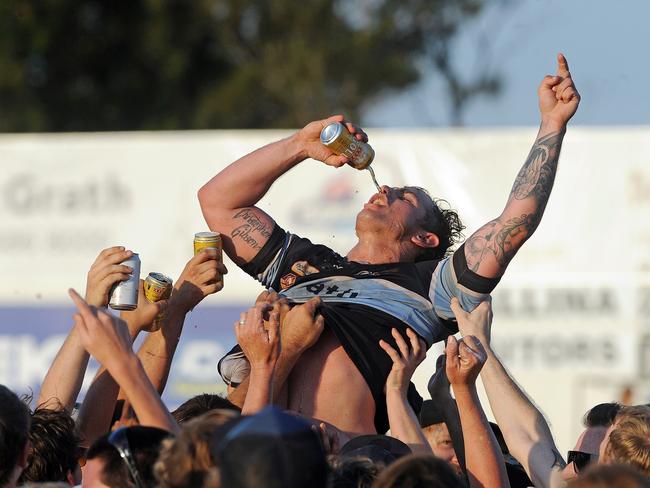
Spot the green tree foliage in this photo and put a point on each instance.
(78, 65)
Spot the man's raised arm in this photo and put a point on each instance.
(228, 200)
(489, 250)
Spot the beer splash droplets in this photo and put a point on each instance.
(374, 178)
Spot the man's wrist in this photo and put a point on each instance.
(395, 392)
(296, 148)
(463, 388)
(550, 125)
(179, 306)
(125, 363)
(263, 369)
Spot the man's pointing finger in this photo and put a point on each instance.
(562, 66)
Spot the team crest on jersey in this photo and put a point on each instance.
(287, 281)
(303, 268)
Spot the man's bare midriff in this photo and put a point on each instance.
(326, 385)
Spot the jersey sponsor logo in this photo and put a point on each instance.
(383, 295)
(287, 281)
(303, 268)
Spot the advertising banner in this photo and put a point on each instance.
(575, 301)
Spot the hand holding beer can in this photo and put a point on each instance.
(209, 240)
(339, 140)
(203, 240)
(157, 287)
(124, 295)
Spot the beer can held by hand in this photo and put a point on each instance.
(124, 295)
(341, 142)
(157, 287)
(203, 240)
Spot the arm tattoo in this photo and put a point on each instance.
(499, 239)
(538, 172)
(502, 238)
(253, 230)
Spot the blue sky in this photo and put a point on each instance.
(607, 45)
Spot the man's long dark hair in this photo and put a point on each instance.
(444, 222)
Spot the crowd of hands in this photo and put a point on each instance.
(269, 328)
(268, 331)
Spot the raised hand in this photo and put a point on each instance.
(302, 326)
(405, 361)
(104, 273)
(465, 358)
(260, 345)
(477, 323)
(558, 96)
(309, 140)
(202, 276)
(143, 317)
(103, 335)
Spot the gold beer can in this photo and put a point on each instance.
(336, 137)
(203, 240)
(157, 287)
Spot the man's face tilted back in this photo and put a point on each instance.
(395, 215)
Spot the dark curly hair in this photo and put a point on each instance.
(54, 446)
(444, 222)
(14, 431)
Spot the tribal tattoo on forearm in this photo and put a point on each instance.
(502, 239)
(253, 230)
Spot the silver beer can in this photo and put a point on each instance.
(341, 142)
(124, 295)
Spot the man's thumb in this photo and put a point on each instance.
(451, 350)
(456, 308)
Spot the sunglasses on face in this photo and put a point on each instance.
(580, 459)
(120, 441)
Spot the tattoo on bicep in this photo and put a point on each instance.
(501, 240)
(253, 230)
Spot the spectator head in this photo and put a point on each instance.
(200, 404)
(381, 449)
(628, 440)
(610, 476)
(352, 472)
(271, 449)
(602, 415)
(596, 422)
(51, 484)
(437, 434)
(187, 460)
(54, 448)
(14, 433)
(116, 459)
(417, 471)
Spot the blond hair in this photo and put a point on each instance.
(610, 476)
(629, 441)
